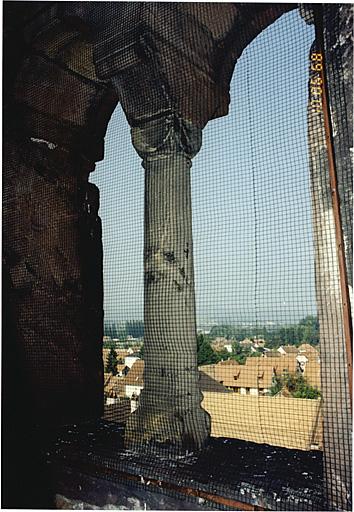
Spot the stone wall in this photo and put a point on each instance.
(334, 371)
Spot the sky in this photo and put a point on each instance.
(252, 233)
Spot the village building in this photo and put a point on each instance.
(271, 353)
(287, 349)
(130, 360)
(247, 342)
(220, 343)
(307, 349)
(134, 382)
(125, 359)
(114, 388)
(259, 342)
(258, 374)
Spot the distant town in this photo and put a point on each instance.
(236, 364)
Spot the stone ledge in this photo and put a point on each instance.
(229, 474)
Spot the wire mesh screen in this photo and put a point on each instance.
(254, 222)
(253, 250)
(225, 202)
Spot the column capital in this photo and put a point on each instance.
(166, 136)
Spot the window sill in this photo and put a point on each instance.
(90, 466)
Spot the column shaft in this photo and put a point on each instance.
(169, 414)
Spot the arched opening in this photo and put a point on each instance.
(257, 344)
(253, 249)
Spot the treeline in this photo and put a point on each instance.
(294, 385)
(122, 330)
(306, 331)
(206, 354)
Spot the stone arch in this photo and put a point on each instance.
(66, 66)
(60, 92)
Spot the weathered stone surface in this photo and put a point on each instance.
(227, 468)
(338, 39)
(339, 60)
(334, 373)
(78, 119)
(169, 415)
(52, 251)
(183, 54)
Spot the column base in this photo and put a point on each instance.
(167, 432)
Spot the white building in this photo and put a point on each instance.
(130, 360)
(134, 383)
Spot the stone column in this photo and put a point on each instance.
(337, 416)
(170, 415)
(338, 48)
(338, 40)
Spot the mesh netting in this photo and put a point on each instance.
(224, 198)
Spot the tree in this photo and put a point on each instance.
(222, 355)
(141, 352)
(296, 385)
(112, 362)
(109, 344)
(310, 327)
(108, 329)
(240, 353)
(276, 387)
(135, 328)
(221, 330)
(205, 353)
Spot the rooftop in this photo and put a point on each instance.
(289, 349)
(135, 375)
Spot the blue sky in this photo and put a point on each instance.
(252, 231)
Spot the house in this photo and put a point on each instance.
(248, 379)
(308, 359)
(258, 342)
(311, 370)
(207, 383)
(121, 355)
(228, 362)
(105, 353)
(287, 349)
(309, 365)
(122, 370)
(122, 367)
(134, 383)
(130, 360)
(271, 354)
(253, 378)
(220, 343)
(113, 388)
(306, 348)
(247, 342)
